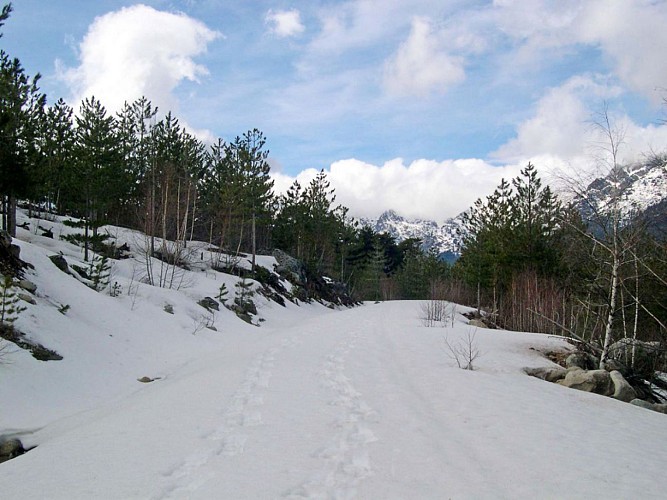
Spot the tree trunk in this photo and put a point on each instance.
(254, 239)
(11, 215)
(611, 312)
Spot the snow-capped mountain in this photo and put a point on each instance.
(442, 238)
(641, 188)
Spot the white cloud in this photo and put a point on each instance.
(629, 33)
(632, 35)
(566, 135)
(561, 125)
(138, 51)
(284, 23)
(423, 188)
(421, 65)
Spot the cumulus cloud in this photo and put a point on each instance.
(561, 125)
(284, 23)
(138, 51)
(422, 188)
(566, 126)
(421, 65)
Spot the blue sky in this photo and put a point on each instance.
(420, 106)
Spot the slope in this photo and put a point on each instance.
(316, 403)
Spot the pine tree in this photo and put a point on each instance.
(58, 139)
(99, 272)
(9, 303)
(258, 184)
(98, 165)
(21, 107)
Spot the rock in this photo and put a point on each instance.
(660, 408)
(209, 303)
(642, 404)
(26, 298)
(477, 323)
(288, 265)
(596, 381)
(10, 448)
(550, 374)
(612, 365)
(27, 285)
(623, 391)
(581, 360)
(60, 262)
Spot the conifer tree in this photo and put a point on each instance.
(9, 302)
(21, 105)
(58, 141)
(258, 184)
(98, 171)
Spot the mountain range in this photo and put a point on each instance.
(643, 190)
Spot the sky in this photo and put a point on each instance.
(418, 106)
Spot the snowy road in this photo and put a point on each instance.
(362, 403)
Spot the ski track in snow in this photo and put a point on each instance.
(240, 415)
(346, 460)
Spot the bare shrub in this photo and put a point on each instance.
(437, 312)
(464, 351)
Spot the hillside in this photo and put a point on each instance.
(314, 403)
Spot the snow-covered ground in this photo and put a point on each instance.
(316, 403)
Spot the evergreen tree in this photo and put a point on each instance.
(98, 171)
(21, 106)
(10, 307)
(512, 231)
(258, 184)
(58, 141)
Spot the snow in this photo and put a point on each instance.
(441, 238)
(316, 403)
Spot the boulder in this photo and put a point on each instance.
(550, 374)
(596, 381)
(581, 360)
(660, 408)
(642, 404)
(623, 391)
(612, 365)
(60, 262)
(289, 266)
(26, 298)
(209, 303)
(27, 285)
(10, 448)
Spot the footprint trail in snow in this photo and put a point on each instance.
(346, 460)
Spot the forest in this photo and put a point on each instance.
(529, 261)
